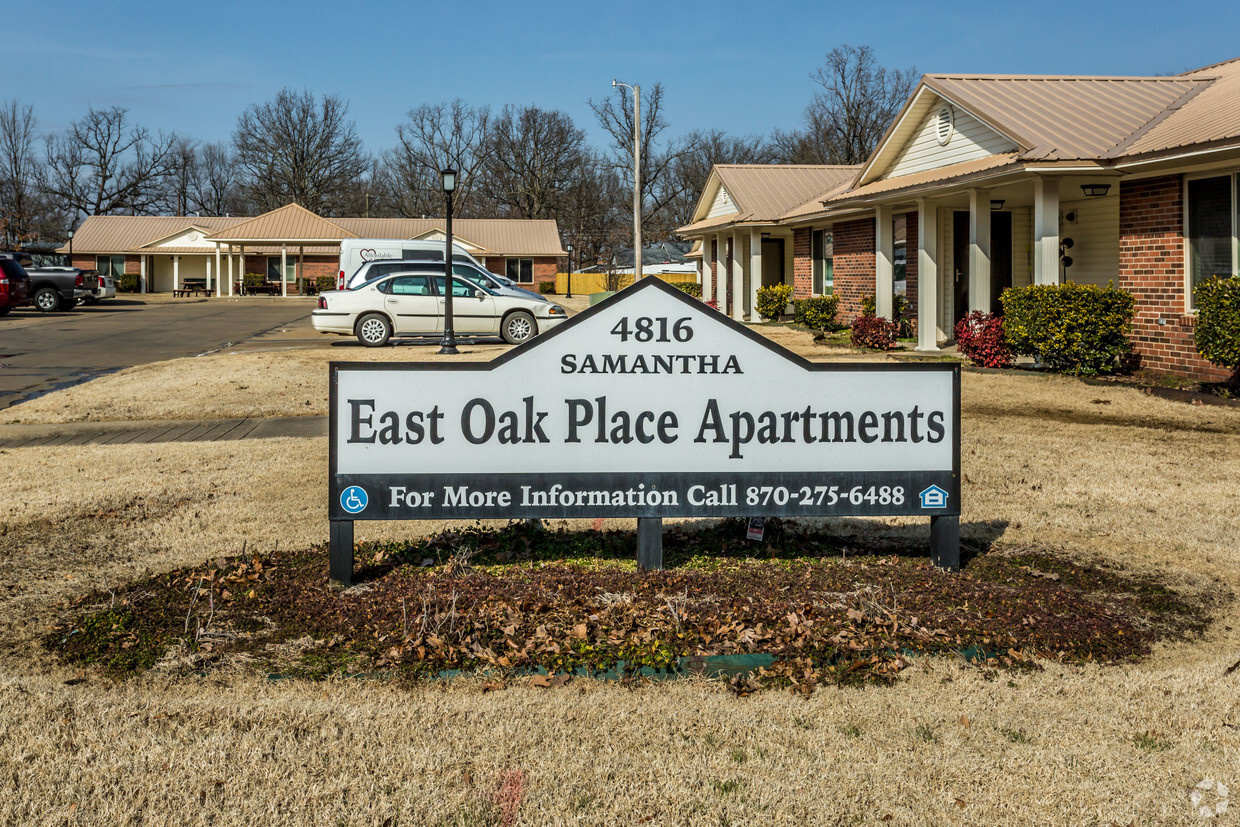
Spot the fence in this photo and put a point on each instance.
(587, 283)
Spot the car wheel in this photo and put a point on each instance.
(47, 299)
(373, 330)
(4, 311)
(519, 327)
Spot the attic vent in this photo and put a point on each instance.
(946, 125)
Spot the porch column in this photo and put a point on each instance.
(207, 284)
(738, 278)
(979, 250)
(927, 275)
(708, 268)
(231, 278)
(1045, 230)
(142, 274)
(219, 270)
(884, 262)
(241, 264)
(176, 272)
(283, 270)
(755, 273)
(301, 268)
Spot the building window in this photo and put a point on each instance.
(110, 265)
(1211, 206)
(824, 262)
(273, 269)
(521, 269)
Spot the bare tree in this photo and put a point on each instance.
(615, 115)
(435, 136)
(294, 148)
(532, 157)
(25, 212)
(851, 110)
(373, 194)
(180, 173)
(691, 169)
(215, 189)
(103, 165)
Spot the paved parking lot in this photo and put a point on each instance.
(43, 352)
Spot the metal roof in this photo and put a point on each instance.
(764, 192)
(1211, 116)
(134, 233)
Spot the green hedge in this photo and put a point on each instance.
(816, 313)
(1077, 329)
(773, 300)
(690, 287)
(127, 283)
(254, 280)
(1218, 321)
(322, 283)
(546, 287)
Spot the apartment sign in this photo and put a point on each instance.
(650, 404)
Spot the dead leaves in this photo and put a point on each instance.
(550, 681)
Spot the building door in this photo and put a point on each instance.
(960, 266)
(1000, 257)
(1000, 261)
(772, 261)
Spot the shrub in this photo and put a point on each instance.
(546, 287)
(127, 283)
(869, 307)
(874, 333)
(253, 280)
(692, 288)
(899, 305)
(322, 283)
(1218, 321)
(773, 300)
(817, 313)
(980, 337)
(1077, 329)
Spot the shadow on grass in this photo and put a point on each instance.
(694, 545)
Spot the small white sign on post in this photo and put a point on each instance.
(650, 404)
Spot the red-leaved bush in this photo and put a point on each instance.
(980, 337)
(874, 333)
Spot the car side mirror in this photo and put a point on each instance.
(478, 294)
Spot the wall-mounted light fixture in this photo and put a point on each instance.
(1095, 190)
(996, 204)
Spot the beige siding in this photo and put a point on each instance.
(1022, 247)
(192, 267)
(722, 205)
(1095, 239)
(970, 141)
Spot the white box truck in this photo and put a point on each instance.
(354, 252)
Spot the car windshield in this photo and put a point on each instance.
(474, 275)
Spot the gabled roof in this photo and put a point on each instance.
(762, 193)
(1063, 118)
(126, 233)
(292, 222)
(500, 236)
(1209, 117)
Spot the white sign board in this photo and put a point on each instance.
(650, 404)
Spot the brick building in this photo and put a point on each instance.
(290, 247)
(988, 181)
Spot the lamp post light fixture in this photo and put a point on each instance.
(71, 248)
(1095, 190)
(637, 177)
(448, 344)
(569, 247)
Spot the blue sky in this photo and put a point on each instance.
(738, 66)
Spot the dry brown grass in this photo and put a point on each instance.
(1139, 482)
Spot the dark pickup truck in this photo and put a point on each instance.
(57, 288)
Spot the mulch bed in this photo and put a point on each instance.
(524, 600)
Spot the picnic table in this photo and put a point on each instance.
(191, 288)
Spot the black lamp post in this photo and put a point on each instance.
(448, 344)
(71, 248)
(570, 271)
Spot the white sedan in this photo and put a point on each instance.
(405, 305)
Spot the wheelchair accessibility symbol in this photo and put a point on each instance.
(353, 499)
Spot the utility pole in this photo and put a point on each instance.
(637, 178)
